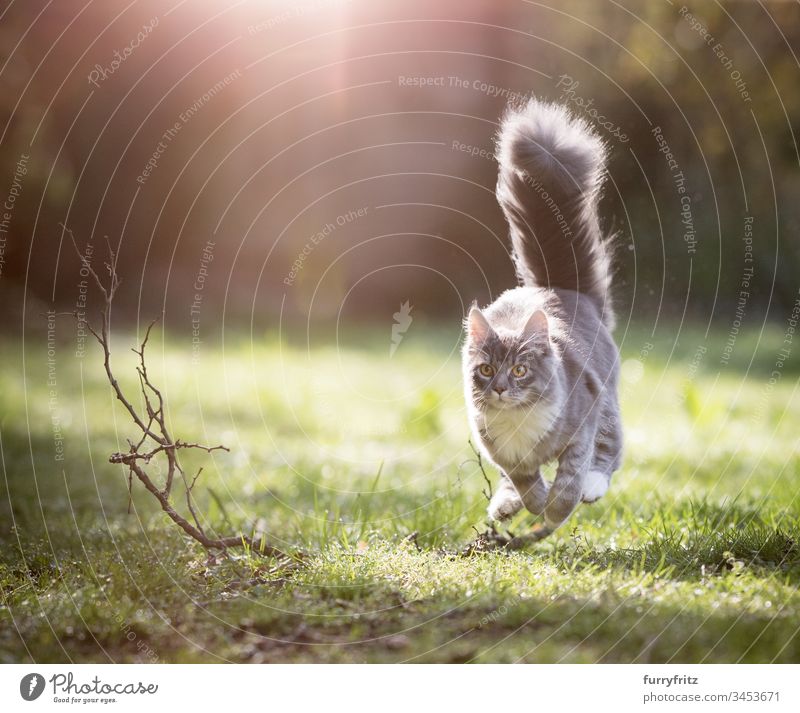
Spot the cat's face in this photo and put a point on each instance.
(508, 370)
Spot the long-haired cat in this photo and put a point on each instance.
(540, 366)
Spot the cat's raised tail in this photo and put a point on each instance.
(552, 166)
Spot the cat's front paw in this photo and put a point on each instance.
(503, 505)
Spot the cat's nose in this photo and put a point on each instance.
(499, 390)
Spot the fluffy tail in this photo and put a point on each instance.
(551, 169)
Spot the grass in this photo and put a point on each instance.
(361, 463)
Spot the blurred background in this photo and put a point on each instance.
(302, 161)
(305, 190)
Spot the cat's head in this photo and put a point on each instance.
(507, 369)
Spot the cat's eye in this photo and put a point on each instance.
(519, 370)
(486, 370)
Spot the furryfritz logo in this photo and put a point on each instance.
(31, 686)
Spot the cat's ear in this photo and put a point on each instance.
(478, 327)
(537, 328)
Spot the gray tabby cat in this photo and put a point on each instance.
(540, 366)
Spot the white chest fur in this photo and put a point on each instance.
(513, 434)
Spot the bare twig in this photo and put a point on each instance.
(130, 491)
(154, 426)
(491, 540)
(479, 460)
(189, 489)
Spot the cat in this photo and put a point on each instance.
(540, 366)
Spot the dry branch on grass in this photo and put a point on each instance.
(156, 439)
(491, 539)
(478, 460)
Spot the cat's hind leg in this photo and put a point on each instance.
(506, 500)
(595, 484)
(607, 459)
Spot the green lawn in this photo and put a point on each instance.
(340, 454)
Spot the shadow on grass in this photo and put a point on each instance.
(692, 540)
